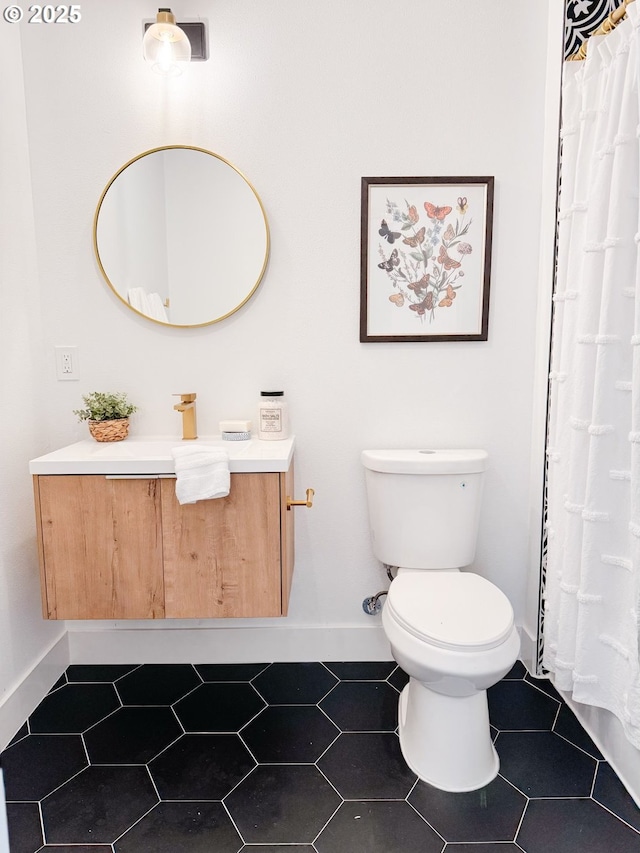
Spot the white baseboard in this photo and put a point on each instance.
(229, 645)
(23, 699)
(93, 645)
(527, 650)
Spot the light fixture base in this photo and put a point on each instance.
(165, 16)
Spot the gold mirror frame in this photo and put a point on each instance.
(113, 287)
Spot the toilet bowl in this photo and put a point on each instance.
(462, 641)
(451, 631)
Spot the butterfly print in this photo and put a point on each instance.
(447, 262)
(434, 212)
(424, 257)
(422, 307)
(417, 286)
(389, 236)
(392, 261)
(415, 240)
(447, 302)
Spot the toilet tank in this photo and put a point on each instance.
(424, 506)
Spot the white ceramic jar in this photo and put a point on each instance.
(273, 416)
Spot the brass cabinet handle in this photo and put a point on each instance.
(308, 503)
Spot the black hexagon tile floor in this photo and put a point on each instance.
(294, 758)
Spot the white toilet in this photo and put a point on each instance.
(452, 632)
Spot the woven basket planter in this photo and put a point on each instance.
(109, 430)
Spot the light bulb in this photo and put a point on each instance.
(165, 46)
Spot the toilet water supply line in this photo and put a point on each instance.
(372, 604)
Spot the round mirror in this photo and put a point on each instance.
(181, 236)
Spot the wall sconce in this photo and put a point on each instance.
(169, 47)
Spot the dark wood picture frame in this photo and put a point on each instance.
(425, 243)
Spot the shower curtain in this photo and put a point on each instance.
(592, 590)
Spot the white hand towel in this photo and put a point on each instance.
(139, 300)
(134, 295)
(156, 308)
(202, 473)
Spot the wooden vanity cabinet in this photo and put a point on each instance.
(120, 548)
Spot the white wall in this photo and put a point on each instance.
(305, 100)
(24, 637)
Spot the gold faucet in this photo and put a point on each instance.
(187, 406)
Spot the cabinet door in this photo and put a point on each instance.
(222, 556)
(100, 547)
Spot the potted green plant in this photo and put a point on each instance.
(107, 415)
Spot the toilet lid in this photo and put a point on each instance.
(453, 610)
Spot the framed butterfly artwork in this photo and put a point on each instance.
(425, 263)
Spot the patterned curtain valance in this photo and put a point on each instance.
(582, 18)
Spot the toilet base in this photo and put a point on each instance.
(446, 740)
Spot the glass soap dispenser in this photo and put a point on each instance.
(273, 416)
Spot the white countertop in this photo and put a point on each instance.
(152, 455)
